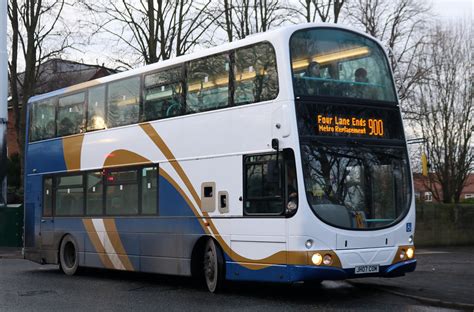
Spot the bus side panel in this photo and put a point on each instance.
(152, 244)
(45, 157)
(32, 218)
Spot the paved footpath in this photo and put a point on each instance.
(10, 253)
(443, 276)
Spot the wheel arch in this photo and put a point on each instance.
(198, 254)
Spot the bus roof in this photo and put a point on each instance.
(274, 36)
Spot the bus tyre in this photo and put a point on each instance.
(214, 269)
(68, 256)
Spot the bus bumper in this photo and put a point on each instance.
(308, 273)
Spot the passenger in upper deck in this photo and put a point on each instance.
(360, 75)
(313, 70)
(313, 86)
(363, 90)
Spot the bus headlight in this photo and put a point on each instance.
(327, 259)
(317, 259)
(410, 253)
(309, 244)
(410, 239)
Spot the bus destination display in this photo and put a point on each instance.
(350, 125)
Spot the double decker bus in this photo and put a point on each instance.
(280, 157)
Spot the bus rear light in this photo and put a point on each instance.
(317, 259)
(323, 258)
(402, 254)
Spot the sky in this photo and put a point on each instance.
(101, 50)
(444, 10)
(453, 9)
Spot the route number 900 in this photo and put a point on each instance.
(376, 127)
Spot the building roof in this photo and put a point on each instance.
(420, 182)
(58, 73)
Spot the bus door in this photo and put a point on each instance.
(270, 197)
(47, 219)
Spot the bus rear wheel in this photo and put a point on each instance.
(68, 256)
(213, 266)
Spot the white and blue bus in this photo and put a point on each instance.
(280, 157)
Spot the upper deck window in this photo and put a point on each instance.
(208, 83)
(338, 63)
(96, 109)
(255, 74)
(123, 102)
(163, 94)
(236, 77)
(43, 120)
(71, 114)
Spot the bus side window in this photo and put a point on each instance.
(149, 183)
(123, 102)
(263, 185)
(163, 94)
(42, 120)
(255, 74)
(69, 199)
(48, 197)
(122, 192)
(207, 83)
(96, 109)
(71, 114)
(95, 191)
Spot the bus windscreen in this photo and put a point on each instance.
(337, 63)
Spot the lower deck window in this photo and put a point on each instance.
(131, 191)
(122, 199)
(69, 199)
(121, 193)
(95, 193)
(149, 190)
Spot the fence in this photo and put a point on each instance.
(11, 226)
(444, 224)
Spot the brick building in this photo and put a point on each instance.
(423, 194)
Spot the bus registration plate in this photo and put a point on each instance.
(366, 269)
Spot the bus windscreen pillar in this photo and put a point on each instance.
(3, 102)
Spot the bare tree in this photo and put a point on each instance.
(401, 25)
(446, 111)
(320, 10)
(152, 29)
(241, 18)
(35, 38)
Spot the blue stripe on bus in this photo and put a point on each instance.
(273, 273)
(171, 202)
(33, 191)
(46, 157)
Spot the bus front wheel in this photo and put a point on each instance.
(68, 256)
(214, 269)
